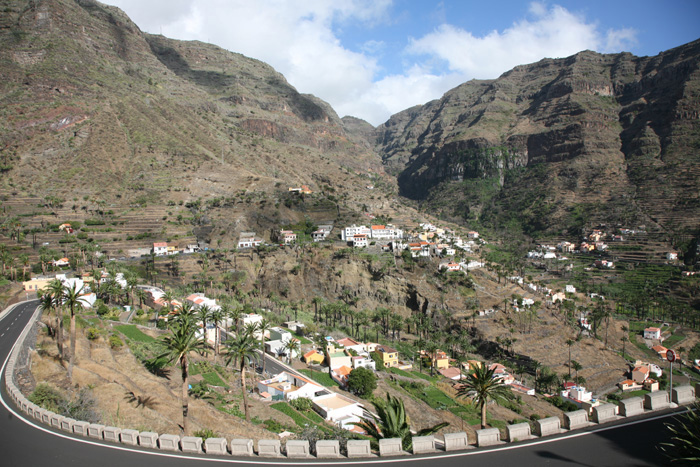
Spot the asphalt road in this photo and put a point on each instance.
(24, 442)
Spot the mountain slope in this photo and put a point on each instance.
(94, 109)
(555, 144)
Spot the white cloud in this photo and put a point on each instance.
(300, 39)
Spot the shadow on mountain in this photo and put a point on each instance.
(172, 59)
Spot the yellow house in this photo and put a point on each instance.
(314, 356)
(386, 355)
(36, 283)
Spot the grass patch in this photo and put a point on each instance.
(673, 340)
(290, 411)
(302, 339)
(425, 376)
(322, 378)
(133, 333)
(396, 371)
(637, 393)
(213, 379)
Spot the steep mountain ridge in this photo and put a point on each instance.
(616, 135)
(91, 106)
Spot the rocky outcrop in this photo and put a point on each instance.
(615, 130)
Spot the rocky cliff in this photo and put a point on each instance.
(559, 143)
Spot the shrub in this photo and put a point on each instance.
(92, 333)
(205, 433)
(47, 397)
(115, 342)
(302, 404)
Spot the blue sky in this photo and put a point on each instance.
(373, 58)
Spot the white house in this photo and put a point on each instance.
(248, 240)
(671, 256)
(364, 361)
(288, 386)
(348, 233)
(652, 333)
(386, 232)
(160, 248)
(287, 237)
(322, 232)
(339, 409)
(450, 266)
(251, 318)
(359, 241)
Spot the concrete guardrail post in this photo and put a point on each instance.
(111, 433)
(241, 447)
(604, 413)
(191, 444)
(169, 442)
(518, 432)
(390, 447)
(576, 419)
(80, 428)
(95, 430)
(683, 395)
(456, 441)
(130, 437)
(148, 439)
(298, 449)
(269, 448)
(548, 426)
(359, 448)
(327, 449)
(631, 407)
(216, 446)
(656, 400)
(423, 444)
(488, 437)
(55, 420)
(67, 424)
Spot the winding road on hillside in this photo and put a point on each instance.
(24, 442)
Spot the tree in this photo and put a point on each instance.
(576, 367)
(291, 347)
(684, 430)
(72, 299)
(362, 382)
(392, 422)
(241, 349)
(55, 290)
(217, 317)
(625, 329)
(178, 345)
(570, 343)
(263, 326)
(481, 386)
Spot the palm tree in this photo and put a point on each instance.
(570, 343)
(481, 386)
(263, 326)
(203, 313)
(292, 346)
(576, 366)
(217, 317)
(72, 299)
(178, 346)
(392, 422)
(55, 290)
(242, 349)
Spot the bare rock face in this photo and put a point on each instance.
(616, 134)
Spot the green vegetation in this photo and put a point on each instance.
(321, 378)
(133, 333)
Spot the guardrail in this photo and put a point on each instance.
(328, 449)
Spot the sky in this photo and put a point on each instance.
(373, 58)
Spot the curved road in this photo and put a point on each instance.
(26, 442)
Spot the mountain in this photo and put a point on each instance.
(95, 112)
(558, 144)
